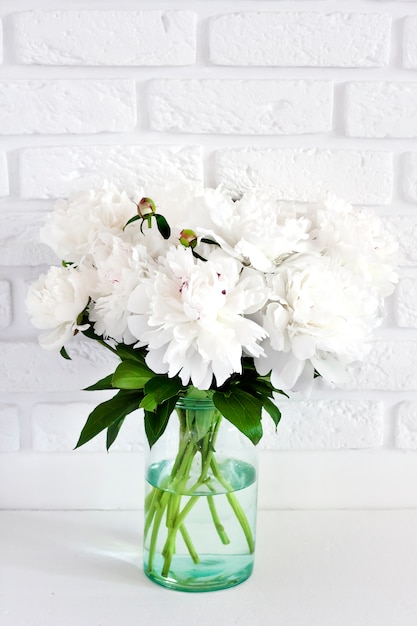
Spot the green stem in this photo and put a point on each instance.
(173, 517)
(243, 520)
(168, 502)
(169, 547)
(235, 504)
(189, 544)
(219, 526)
(103, 343)
(150, 506)
(207, 453)
(157, 522)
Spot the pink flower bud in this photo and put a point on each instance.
(188, 238)
(146, 206)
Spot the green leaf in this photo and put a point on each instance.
(281, 392)
(113, 431)
(103, 383)
(157, 421)
(64, 354)
(243, 410)
(126, 353)
(162, 225)
(258, 387)
(131, 375)
(159, 389)
(108, 413)
(198, 256)
(132, 219)
(89, 332)
(210, 241)
(271, 408)
(199, 422)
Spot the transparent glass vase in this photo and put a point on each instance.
(200, 502)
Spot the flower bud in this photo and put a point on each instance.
(188, 238)
(146, 206)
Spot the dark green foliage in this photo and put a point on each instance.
(109, 413)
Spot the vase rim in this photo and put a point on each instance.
(195, 403)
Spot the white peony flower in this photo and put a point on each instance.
(191, 316)
(77, 226)
(359, 240)
(120, 269)
(55, 302)
(261, 231)
(318, 318)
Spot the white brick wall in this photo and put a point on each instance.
(300, 96)
(270, 107)
(5, 304)
(4, 181)
(381, 109)
(410, 176)
(19, 240)
(67, 106)
(406, 426)
(304, 39)
(108, 38)
(307, 174)
(406, 302)
(79, 167)
(404, 228)
(410, 42)
(327, 425)
(390, 366)
(9, 429)
(56, 428)
(25, 367)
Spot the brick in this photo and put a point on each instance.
(410, 176)
(9, 428)
(390, 366)
(4, 175)
(67, 106)
(306, 175)
(404, 229)
(132, 434)
(325, 425)
(105, 37)
(271, 107)
(58, 171)
(19, 240)
(5, 304)
(300, 39)
(406, 426)
(381, 109)
(56, 428)
(406, 302)
(26, 367)
(410, 42)
(1, 41)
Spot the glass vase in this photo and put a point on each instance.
(200, 502)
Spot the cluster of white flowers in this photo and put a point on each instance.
(298, 288)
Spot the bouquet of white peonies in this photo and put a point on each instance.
(200, 292)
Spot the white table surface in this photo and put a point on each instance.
(313, 568)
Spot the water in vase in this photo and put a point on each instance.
(202, 538)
